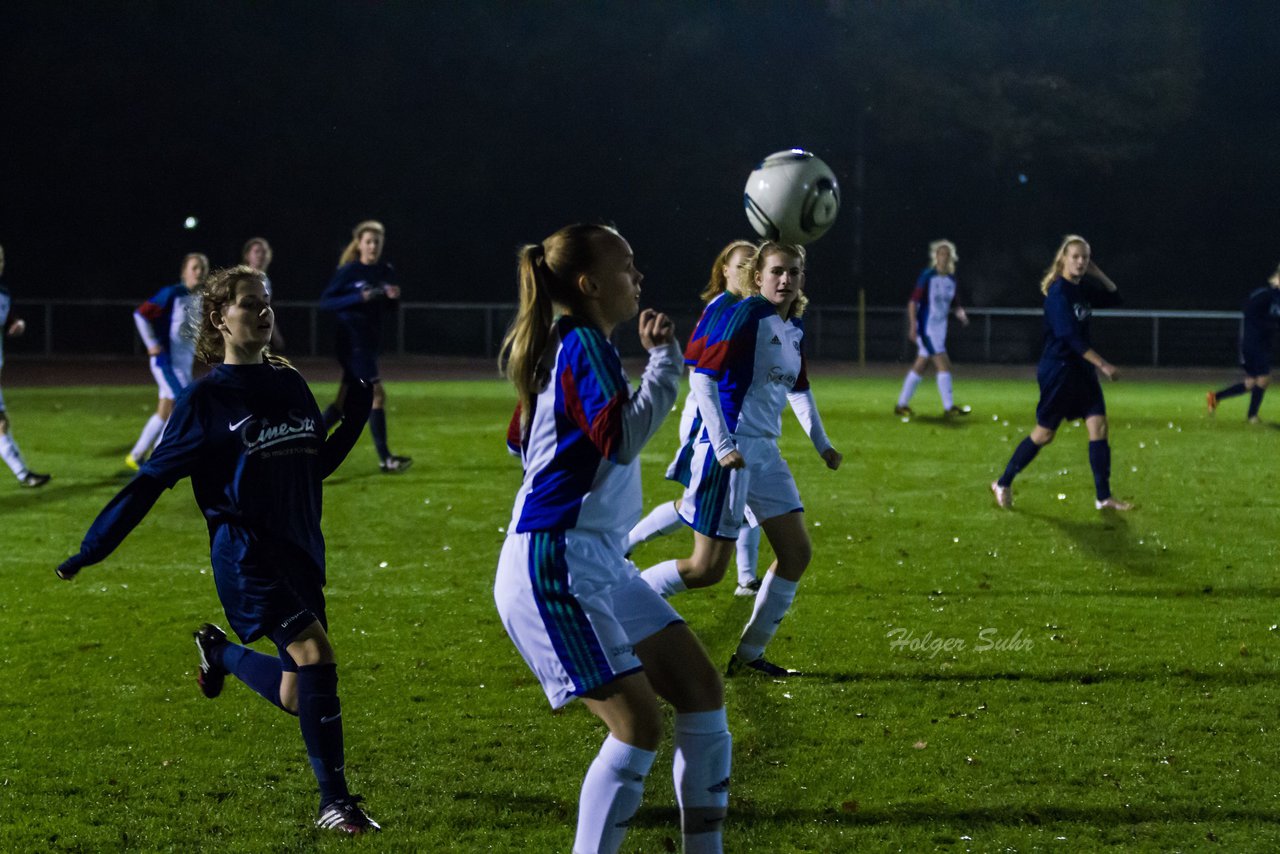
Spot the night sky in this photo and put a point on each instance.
(1152, 128)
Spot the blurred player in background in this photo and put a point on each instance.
(162, 322)
(12, 326)
(250, 437)
(575, 608)
(1261, 317)
(931, 302)
(258, 255)
(1068, 371)
(751, 365)
(729, 283)
(361, 290)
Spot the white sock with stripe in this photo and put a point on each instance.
(909, 387)
(703, 755)
(748, 554)
(610, 796)
(944, 389)
(664, 578)
(772, 603)
(150, 433)
(12, 456)
(662, 520)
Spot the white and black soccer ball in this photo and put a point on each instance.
(792, 197)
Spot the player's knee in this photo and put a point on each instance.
(1264, 381)
(704, 570)
(4, 425)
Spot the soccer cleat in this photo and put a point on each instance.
(1211, 400)
(210, 676)
(395, 465)
(1113, 503)
(761, 665)
(34, 480)
(1004, 494)
(1253, 419)
(345, 816)
(131, 462)
(903, 410)
(751, 588)
(958, 410)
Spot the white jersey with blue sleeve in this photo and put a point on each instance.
(933, 296)
(584, 436)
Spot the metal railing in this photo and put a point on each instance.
(841, 332)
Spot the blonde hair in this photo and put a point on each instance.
(218, 292)
(200, 256)
(719, 283)
(1055, 270)
(1275, 277)
(547, 275)
(771, 247)
(266, 249)
(352, 252)
(955, 256)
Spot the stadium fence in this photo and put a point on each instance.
(98, 327)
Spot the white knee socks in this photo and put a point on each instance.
(610, 796)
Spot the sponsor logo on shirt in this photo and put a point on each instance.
(1083, 310)
(775, 341)
(776, 375)
(259, 433)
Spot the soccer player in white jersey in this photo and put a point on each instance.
(13, 327)
(730, 275)
(162, 322)
(574, 606)
(751, 367)
(932, 300)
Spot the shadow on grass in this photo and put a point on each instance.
(56, 491)
(948, 421)
(932, 814)
(1106, 538)
(1233, 678)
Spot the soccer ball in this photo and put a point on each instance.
(792, 197)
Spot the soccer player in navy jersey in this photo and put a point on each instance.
(1261, 317)
(364, 287)
(162, 323)
(1068, 371)
(574, 606)
(751, 366)
(13, 326)
(250, 437)
(729, 282)
(934, 298)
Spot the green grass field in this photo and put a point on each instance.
(1116, 688)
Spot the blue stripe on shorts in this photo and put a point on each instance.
(567, 626)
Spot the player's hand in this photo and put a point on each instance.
(1109, 371)
(18, 327)
(68, 568)
(656, 329)
(833, 458)
(733, 460)
(391, 291)
(962, 316)
(911, 335)
(154, 351)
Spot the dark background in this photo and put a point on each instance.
(468, 128)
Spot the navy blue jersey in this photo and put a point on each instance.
(1067, 308)
(252, 440)
(359, 319)
(1262, 311)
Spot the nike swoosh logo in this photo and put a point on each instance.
(237, 425)
(325, 720)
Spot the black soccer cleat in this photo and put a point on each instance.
(345, 816)
(395, 465)
(761, 665)
(210, 676)
(33, 480)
